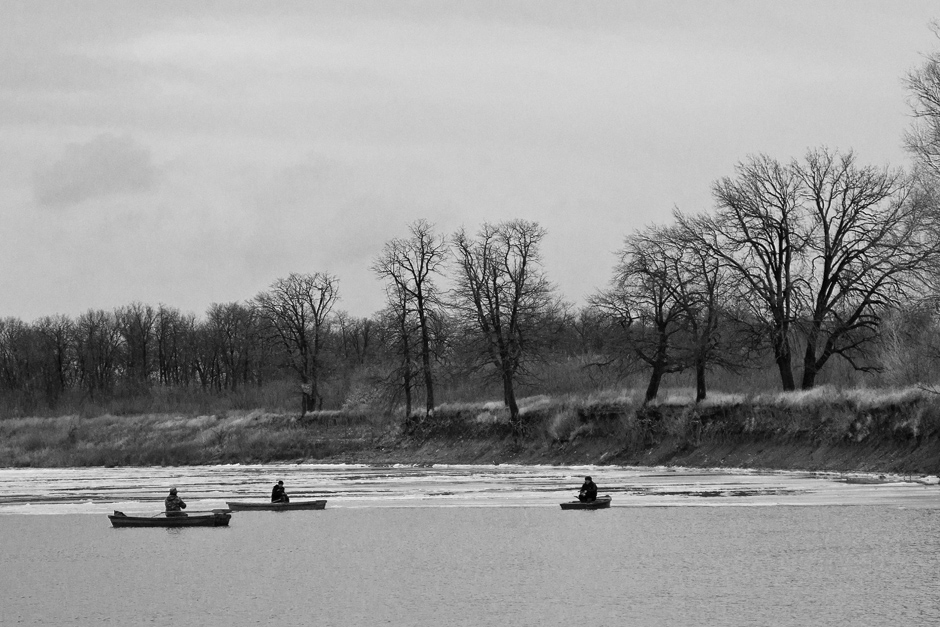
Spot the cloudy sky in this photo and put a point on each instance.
(193, 152)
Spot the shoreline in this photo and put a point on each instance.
(897, 433)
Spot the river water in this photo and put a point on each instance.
(471, 545)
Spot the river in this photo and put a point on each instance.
(471, 545)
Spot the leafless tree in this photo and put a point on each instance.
(57, 350)
(503, 295)
(298, 309)
(174, 332)
(98, 348)
(233, 329)
(652, 287)
(135, 323)
(923, 139)
(871, 241)
(702, 290)
(410, 267)
(759, 233)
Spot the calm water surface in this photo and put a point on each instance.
(471, 546)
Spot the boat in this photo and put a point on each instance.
(215, 518)
(274, 507)
(602, 502)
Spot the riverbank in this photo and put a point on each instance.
(825, 429)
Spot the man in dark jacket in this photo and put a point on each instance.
(173, 504)
(278, 495)
(588, 492)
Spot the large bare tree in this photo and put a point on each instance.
(759, 232)
(923, 139)
(298, 309)
(702, 290)
(818, 248)
(410, 267)
(645, 289)
(666, 292)
(871, 241)
(504, 297)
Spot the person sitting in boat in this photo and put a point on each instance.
(173, 505)
(588, 492)
(278, 495)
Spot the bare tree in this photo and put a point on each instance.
(870, 243)
(298, 309)
(702, 292)
(410, 266)
(57, 349)
(645, 285)
(98, 348)
(502, 294)
(15, 355)
(923, 139)
(174, 332)
(759, 233)
(135, 323)
(233, 329)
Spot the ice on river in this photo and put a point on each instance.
(142, 489)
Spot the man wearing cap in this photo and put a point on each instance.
(588, 492)
(174, 504)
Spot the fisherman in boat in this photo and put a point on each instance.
(278, 495)
(588, 492)
(173, 505)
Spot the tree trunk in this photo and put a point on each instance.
(655, 378)
(406, 365)
(809, 366)
(426, 358)
(509, 396)
(407, 388)
(782, 358)
(700, 390)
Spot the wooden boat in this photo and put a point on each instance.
(275, 507)
(602, 502)
(215, 518)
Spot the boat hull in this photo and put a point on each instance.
(207, 520)
(602, 502)
(275, 507)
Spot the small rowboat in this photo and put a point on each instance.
(215, 518)
(275, 507)
(602, 502)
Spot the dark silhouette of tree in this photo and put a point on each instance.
(98, 349)
(297, 309)
(174, 336)
(870, 243)
(56, 346)
(135, 323)
(410, 267)
(923, 138)
(234, 331)
(503, 298)
(759, 232)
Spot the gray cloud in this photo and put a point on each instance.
(105, 166)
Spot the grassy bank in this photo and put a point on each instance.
(824, 429)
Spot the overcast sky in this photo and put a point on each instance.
(193, 152)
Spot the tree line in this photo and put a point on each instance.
(799, 263)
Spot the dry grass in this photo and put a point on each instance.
(827, 413)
